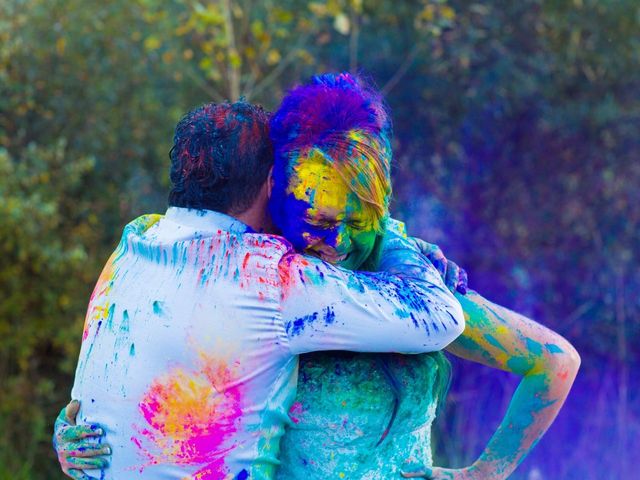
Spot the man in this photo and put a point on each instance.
(189, 354)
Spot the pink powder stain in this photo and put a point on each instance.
(291, 273)
(190, 417)
(295, 412)
(85, 330)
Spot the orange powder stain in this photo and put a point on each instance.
(102, 288)
(246, 261)
(189, 417)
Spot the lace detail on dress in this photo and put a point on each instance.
(342, 408)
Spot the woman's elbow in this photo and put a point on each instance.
(573, 357)
(565, 358)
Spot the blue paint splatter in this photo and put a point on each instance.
(329, 315)
(110, 312)
(298, 325)
(519, 365)
(534, 347)
(158, 308)
(494, 341)
(552, 348)
(124, 327)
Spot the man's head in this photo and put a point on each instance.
(221, 158)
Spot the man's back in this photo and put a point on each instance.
(184, 357)
(189, 353)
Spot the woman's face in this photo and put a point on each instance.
(324, 217)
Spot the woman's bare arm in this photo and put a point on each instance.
(498, 337)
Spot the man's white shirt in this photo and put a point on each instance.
(189, 352)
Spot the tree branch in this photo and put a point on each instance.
(402, 70)
(234, 71)
(208, 89)
(353, 41)
(277, 71)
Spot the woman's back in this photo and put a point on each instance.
(343, 406)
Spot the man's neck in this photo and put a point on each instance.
(257, 219)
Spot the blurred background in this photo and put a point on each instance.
(517, 150)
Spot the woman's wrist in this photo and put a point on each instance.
(484, 470)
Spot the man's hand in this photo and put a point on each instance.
(436, 473)
(75, 445)
(454, 277)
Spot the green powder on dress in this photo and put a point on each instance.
(342, 408)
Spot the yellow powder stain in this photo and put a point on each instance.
(102, 288)
(477, 335)
(189, 414)
(184, 396)
(318, 182)
(502, 330)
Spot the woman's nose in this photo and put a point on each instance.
(343, 240)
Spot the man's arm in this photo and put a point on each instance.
(500, 338)
(403, 308)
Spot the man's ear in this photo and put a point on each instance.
(270, 183)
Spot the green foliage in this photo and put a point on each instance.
(83, 113)
(44, 272)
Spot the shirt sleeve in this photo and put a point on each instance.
(405, 307)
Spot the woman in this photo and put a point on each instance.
(369, 416)
(330, 199)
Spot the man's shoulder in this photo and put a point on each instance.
(142, 223)
(154, 232)
(267, 241)
(137, 228)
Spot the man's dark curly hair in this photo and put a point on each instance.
(221, 157)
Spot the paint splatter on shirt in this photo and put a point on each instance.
(189, 353)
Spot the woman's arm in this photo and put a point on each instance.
(500, 338)
(78, 446)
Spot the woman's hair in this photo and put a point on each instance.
(342, 119)
(346, 121)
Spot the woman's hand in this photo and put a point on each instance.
(436, 473)
(454, 277)
(76, 445)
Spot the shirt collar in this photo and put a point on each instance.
(207, 220)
